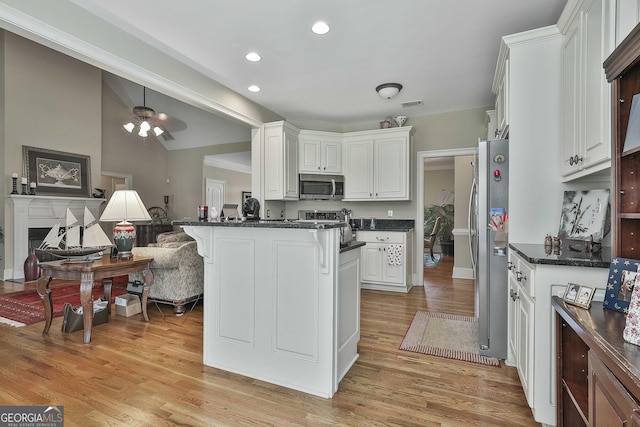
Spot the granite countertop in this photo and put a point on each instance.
(263, 224)
(536, 254)
(351, 245)
(402, 225)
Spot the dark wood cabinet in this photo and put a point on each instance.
(597, 372)
(622, 69)
(146, 233)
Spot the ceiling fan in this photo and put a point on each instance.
(146, 119)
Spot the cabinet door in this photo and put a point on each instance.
(502, 105)
(358, 170)
(598, 45)
(273, 156)
(609, 403)
(332, 157)
(571, 97)
(291, 178)
(627, 17)
(524, 346)
(392, 273)
(391, 169)
(372, 262)
(512, 319)
(310, 156)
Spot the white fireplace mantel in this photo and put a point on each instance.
(41, 212)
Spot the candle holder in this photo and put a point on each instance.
(166, 205)
(32, 190)
(24, 190)
(15, 185)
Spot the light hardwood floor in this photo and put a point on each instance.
(151, 374)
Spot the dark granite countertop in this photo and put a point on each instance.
(536, 254)
(264, 224)
(383, 225)
(352, 245)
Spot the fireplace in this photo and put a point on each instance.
(36, 237)
(35, 213)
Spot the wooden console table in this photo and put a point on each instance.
(103, 269)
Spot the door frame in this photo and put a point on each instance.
(419, 225)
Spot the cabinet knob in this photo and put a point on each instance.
(318, 167)
(574, 160)
(622, 192)
(520, 277)
(510, 265)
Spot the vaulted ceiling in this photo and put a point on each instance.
(443, 53)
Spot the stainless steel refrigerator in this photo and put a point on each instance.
(488, 223)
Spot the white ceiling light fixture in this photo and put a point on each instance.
(145, 119)
(254, 88)
(389, 90)
(320, 28)
(253, 57)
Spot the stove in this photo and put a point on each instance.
(320, 216)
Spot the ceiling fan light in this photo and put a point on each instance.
(143, 133)
(145, 126)
(158, 131)
(388, 90)
(129, 127)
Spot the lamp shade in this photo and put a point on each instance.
(125, 205)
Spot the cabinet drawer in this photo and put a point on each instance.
(380, 236)
(525, 274)
(522, 272)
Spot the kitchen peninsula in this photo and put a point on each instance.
(281, 301)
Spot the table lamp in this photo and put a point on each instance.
(125, 206)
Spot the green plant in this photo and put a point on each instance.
(445, 212)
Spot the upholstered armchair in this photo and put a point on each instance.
(178, 270)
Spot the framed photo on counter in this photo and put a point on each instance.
(623, 274)
(579, 295)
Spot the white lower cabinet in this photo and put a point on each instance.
(380, 269)
(521, 321)
(531, 328)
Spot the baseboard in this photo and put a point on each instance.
(462, 273)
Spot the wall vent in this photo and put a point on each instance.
(408, 104)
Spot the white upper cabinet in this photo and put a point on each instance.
(280, 161)
(320, 152)
(586, 95)
(627, 16)
(501, 89)
(376, 164)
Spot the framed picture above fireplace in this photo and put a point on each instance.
(57, 173)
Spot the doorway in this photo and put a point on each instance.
(215, 194)
(459, 158)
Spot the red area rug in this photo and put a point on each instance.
(25, 307)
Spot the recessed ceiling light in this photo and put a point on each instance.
(253, 57)
(320, 28)
(254, 88)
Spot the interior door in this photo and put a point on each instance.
(215, 191)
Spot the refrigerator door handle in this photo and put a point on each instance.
(470, 224)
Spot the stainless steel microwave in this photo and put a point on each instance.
(321, 187)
